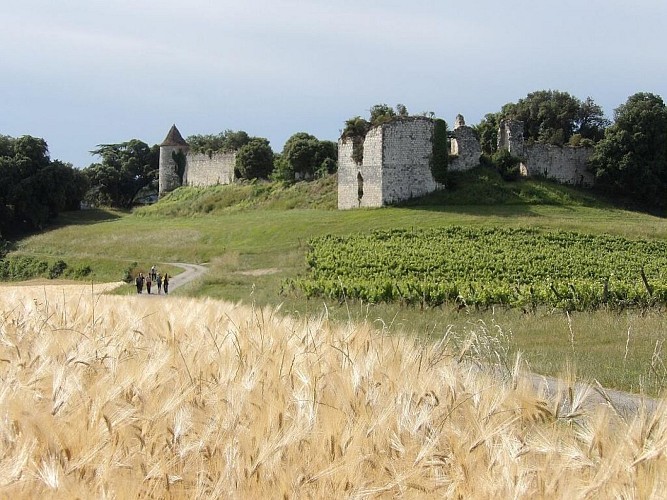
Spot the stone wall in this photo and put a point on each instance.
(465, 148)
(360, 185)
(396, 164)
(207, 170)
(564, 164)
(407, 149)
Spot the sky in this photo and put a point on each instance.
(79, 73)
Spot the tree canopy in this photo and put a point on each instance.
(125, 170)
(33, 188)
(229, 140)
(254, 160)
(304, 156)
(631, 159)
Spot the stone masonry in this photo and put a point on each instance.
(396, 164)
(200, 169)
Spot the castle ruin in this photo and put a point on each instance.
(180, 167)
(397, 157)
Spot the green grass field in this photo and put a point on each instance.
(254, 237)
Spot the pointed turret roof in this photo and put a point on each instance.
(174, 138)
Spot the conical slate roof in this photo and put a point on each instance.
(174, 138)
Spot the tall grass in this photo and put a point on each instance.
(126, 397)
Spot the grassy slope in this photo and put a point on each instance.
(253, 243)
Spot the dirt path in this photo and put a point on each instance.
(624, 403)
(191, 273)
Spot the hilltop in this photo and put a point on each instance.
(480, 186)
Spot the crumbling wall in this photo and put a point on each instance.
(407, 151)
(564, 164)
(465, 148)
(360, 184)
(207, 170)
(396, 164)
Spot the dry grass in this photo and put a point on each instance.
(135, 397)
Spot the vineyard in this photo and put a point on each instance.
(470, 266)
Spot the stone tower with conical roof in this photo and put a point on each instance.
(173, 151)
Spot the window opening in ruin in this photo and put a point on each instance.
(360, 187)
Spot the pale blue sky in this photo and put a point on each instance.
(84, 72)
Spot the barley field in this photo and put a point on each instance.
(107, 396)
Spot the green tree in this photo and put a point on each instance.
(304, 156)
(34, 189)
(254, 160)
(631, 159)
(590, 122)
(553, 117)
(229, 140)
(487, 132)
(125, 170)
(381, 113)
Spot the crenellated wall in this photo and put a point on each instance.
(206, 170)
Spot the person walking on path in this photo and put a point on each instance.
(158, 280)
(153, 273)
(139, 281)
(149, 283)
(165, 283)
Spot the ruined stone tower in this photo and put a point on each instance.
(465, 149)
(171, 148)
(510, 137)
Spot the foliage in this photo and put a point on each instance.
(381, 113)
(33, 188)
(304, 157)
(129, 273)
(180, 162)
(440, 157)
(229, 140)
(255, 159)
(256, 195)
(57, 269)
(483, 186)
(355, 130)
(590, 122)
(631, 160)
(552, 116)
(506, 164)
(26, 267)
(126, 169)
(357, 127)
(487, 132)
(488, 266)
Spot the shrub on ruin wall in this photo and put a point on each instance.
(355, 130)
(506, 164)
(440, 156)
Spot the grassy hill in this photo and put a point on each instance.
(254, 237)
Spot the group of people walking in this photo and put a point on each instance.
(152, 278)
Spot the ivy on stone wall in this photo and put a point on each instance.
(440, 157)
(179, 160)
